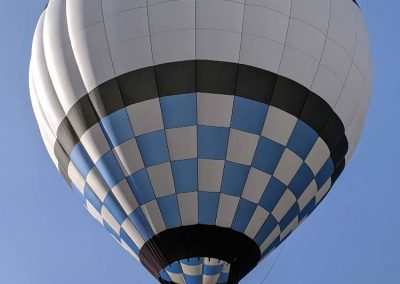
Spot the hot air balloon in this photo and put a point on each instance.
(200, 133)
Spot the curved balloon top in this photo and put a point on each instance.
(200, 133)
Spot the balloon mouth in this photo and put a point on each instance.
(182, 249)
(196, 270)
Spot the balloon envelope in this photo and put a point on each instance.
(200, 133)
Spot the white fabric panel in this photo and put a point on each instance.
(282, 6)
(318, 155)
(226, 210)
(312, 12)
(182, 142)
(153, 216)
(218, 45)
(109, 218)
(145, 117)
(125, 197)
(111, 8)
(188, 208)
(177, 278)
(265, 23)
(261, 52)
(287, 167)
(97, 184)
(298, 66)
(95, 143)
(130, 229)
(89, 41)
(336, 59)
(346, 10)
(346, 107)
(270, 239)
(218, 30)
(257, 220)
(76, 178)
(192, 270)
(127, 32)
(171, 46)
(327, 85)
(128, 157)
(278, 125)
(127, 25)
(306, 38)
(60, 58)
(210, 279)
(307, 195)
(355, 82)
(214, 110)
(43, 84)
(172, 15)
(47, 135)
(285, 203)
(219, 15)
(255, 186)
(210, 174)
(341, 33)
(161, 179)
(241, 147)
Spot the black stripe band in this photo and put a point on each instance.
(202, 76)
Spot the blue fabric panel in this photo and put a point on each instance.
(266, 230)
(212, 269)
(272, 194)
(208, 207)
(92, 198)
(185, 175)
(267, 156)
(170, 211)
(125, 237)
(244, 212)
(174, 268)
(234, 178)
(302, 139)
(290, 215)
(153, 148)
(325, 173)
(223, 278)
(198, 279)
(248, 115)
(112, 204)
(307, 210)
(179, 110)
(112, 232)
(109, 169)
(141, 186)
(81, 160)
(117, 127)
(140, 222)
(212, 142)
(301, 180)
(191, 261)
(164, 275)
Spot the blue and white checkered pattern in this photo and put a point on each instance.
(201, 159)
(197, 271)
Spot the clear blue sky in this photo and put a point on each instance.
(47, 237)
